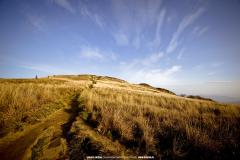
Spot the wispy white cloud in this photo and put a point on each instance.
(113, 56)
(99, 21)
(94, 53)
(173, 45)
(144, 13)
(211, 73)
(148, 61)
(154, 77)
(180, 54)
(198, 31)
(65, 4)
(91, 53)
(153, 58)
(172, 70)
(121, 39)
(184, 24)
(93, 16)
(147, 70)
(130, 24)
(219, 82)
(159, 25)
(37, 22)
(188, 20)
(214, 68)
(217, 64)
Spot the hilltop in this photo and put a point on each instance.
(74, 116)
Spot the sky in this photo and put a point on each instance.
(187, 46)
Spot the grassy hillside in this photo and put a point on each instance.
(28, 101)
(108, 116)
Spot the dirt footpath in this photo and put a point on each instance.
(15, 148)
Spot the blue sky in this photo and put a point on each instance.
(188, 46)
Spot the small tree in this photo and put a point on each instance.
(36, 77)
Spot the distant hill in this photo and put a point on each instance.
(197, 97)
(158, 89)
(89, 77)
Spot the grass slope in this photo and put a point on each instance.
(63, 117)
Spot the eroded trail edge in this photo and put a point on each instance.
(74, 112)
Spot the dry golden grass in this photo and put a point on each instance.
(167, 127)
(112, 116)
(29, 101)
(35, 81)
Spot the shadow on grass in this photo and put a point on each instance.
(74, 112)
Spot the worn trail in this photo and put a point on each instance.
(18, 146)
(15, 148)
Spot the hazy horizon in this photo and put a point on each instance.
(190, 47)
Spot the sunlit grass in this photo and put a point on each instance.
(138, 120)
(28, 101)
(165, 126)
